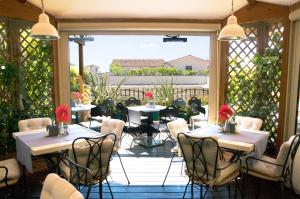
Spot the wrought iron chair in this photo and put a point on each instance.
(166, 115)
(115, 126)
(132, 101)
(203, 165)
(92, 158)
(95, 119)
(108, 107)
(196, 110)
(272, 169)
(176, 127)
(56, 187)
(9, 174)
(179, 103)
(295, 168)
(130, 128)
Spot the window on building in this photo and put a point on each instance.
(188, 67)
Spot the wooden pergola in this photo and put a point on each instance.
(255, 12)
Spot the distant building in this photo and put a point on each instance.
(189, 62)
(92, 68)
(138, 63)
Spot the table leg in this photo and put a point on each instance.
(149, 140)
(77, 117)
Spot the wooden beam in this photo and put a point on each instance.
(161, 20)
(22, 1)
(261, 12)
(25, 11)
(295, 6)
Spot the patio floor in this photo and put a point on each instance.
(146, 169)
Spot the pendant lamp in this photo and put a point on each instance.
(232, 30)
(43, 30)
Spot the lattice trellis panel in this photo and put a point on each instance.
(252, 84)
(240, 71)
(3, 39)
(36, 63)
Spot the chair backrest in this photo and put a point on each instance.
(194, 100)
(196, 106)
(132, 101)
(94, 154)
(123, 111)
(177, 126)
(284, 156)
(249, 123)
(55, 187)
(201, 156)
(96, 111)
(179, 103)
(34, 123)
(113, 126)
(108, 107)
(169, 112)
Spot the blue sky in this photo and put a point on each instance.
(105, 48)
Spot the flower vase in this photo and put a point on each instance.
(150, 104)
(61, 129)
(229, 127)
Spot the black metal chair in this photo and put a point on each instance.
(95, 119)
(91, 158)
(273, 169)
(196, 109)
(132, 101)
(170, 113)
(108, 107)
(203, 165)
(133, 129)
(179, 103)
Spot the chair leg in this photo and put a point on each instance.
(112, 196)
(24, 178)
(257, 189)
(192, 189)
(185, 189)
(235, 189)
(181, 167)
(201, 191)
(228, 187)
(88, 192)
(100, 190)
(123, 168)
(168, 169)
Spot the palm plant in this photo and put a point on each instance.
(101, 89)
(165, 93)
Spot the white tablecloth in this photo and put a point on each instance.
(246, 140)
(36, 142)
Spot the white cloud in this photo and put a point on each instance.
(148, 45)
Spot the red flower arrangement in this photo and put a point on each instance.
(225, 112)
(62, 113)
(148, 95)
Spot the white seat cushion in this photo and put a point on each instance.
(249, 123)
(34, 123)
(57, 188)
(13, 172)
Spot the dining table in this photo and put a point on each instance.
(242, 142)
(136, 114)
(35, 143)
(80, 108)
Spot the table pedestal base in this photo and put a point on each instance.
(149, 141)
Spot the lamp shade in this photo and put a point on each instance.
(43, 30)
(232, 30)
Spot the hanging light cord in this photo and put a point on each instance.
(42, 2)
(231, 7)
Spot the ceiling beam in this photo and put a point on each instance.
(22, 1)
